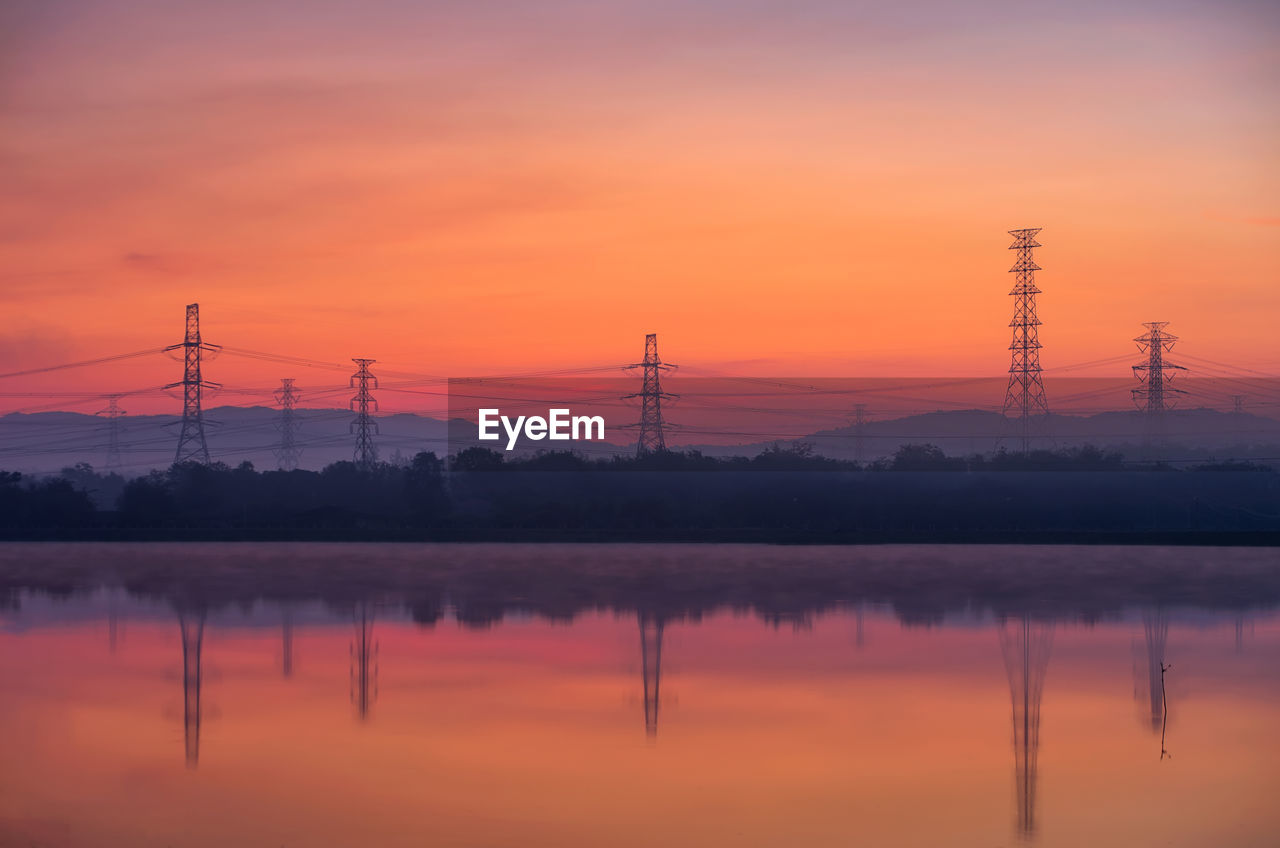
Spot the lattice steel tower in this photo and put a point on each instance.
(287, 454)
(652, 438)
(192, 446)
(859, 431)
(1025, 396)
(112, 413)
(1154, 394)
(363, 404)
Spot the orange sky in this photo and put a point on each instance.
(820, 188)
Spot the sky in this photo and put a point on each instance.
(810, 187)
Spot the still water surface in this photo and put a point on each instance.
(137, 718)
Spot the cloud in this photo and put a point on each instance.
(168, 264)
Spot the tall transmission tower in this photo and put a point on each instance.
(652, 437)
(1026, 646)
(287, 454)
(1154, 395)
(1237, 404)
(1025, 396)
(363, 404)
(192, 446)
(112, 413)
(859, 431)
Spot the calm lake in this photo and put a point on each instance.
(596, 695)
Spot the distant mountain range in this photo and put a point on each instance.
(49, 441)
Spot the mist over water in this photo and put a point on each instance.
(402, 695)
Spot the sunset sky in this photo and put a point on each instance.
(809, 187)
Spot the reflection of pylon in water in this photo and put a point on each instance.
(113, 627)
(1155, 629)
(1026, 646)
(364, 661)
(1240, 631)
(651, 660)
(192, 625)
(286, 643)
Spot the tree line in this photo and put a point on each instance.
(773, 493)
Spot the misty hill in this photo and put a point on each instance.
(49, 441)
(1202, 432)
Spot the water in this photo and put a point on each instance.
(209, 696)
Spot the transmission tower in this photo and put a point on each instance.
(859, 431)
(363, 404)
(192, 446)
(112, 413)
(1025, 396)
(1154, 395)
(1026, 646)
(651, 663)
(652, 439)
(287, 454)
(1237, 404)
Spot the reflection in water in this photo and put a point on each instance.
(651, 661)
(1155, 628)
(192, 625)
(286, 641)
(364, 661)
(1242, 626)
(1026, 646)
(761, 758)
(113, 627)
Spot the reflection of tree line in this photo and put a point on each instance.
(1025, 644)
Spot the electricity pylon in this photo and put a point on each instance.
(1154, 395)
(1025, 396)
(652, 436)
(859, 431)
(112, 413)
(192, 446)
(363, 404)
(287, 454)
